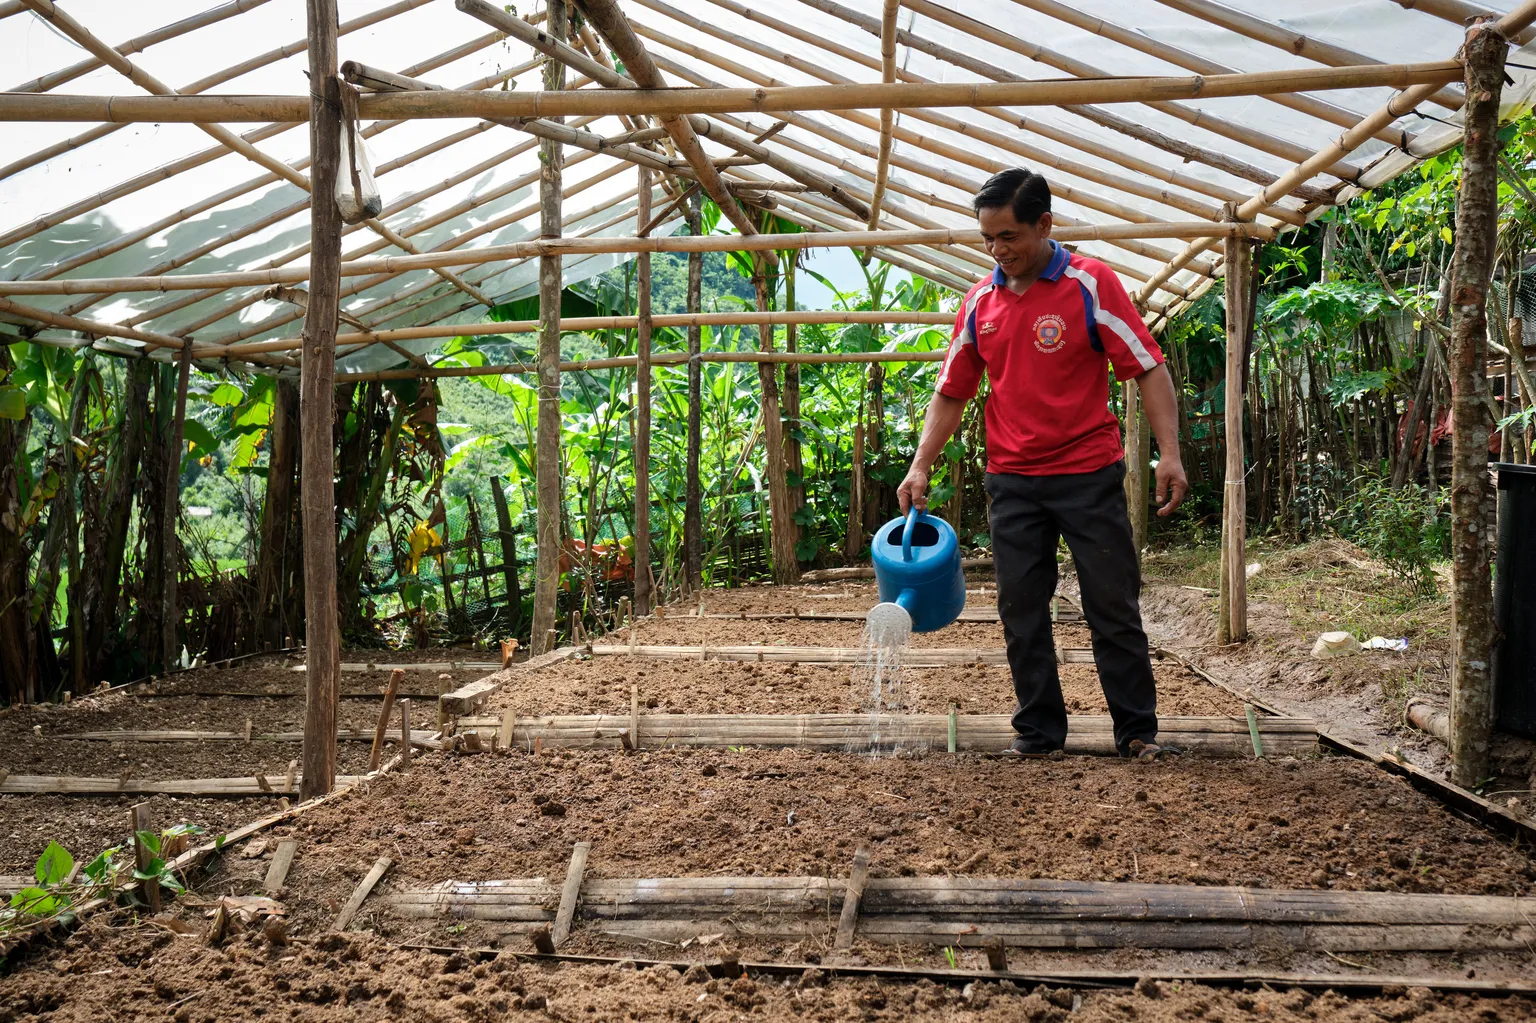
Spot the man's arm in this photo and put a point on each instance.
(942, 421)
(1162, 411)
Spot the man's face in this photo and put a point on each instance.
(1016, 246)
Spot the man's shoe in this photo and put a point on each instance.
(1032, 751)
(1136, 749)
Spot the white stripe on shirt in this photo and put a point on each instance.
(1104, 318)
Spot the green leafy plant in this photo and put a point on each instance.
(1408, 528)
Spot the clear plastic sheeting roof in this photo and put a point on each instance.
(136, 199)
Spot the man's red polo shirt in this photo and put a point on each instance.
(1048, 353)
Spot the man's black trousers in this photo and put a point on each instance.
(1029, 514)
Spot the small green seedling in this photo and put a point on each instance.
(949, 957)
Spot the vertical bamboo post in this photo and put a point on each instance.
(138, 823)
(1135, 463)
(317, 395)
(550, 489)
(169, 548)
(405, 735)
(642, 446)
(855, 542)
(1472, 495)
(693, 510)
(1233, 627)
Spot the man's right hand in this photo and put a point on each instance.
(913, 490)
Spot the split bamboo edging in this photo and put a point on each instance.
(228, 109)
(1087, 734)
(657, 359)
(968, 912)
(285, 784)
(911, 657)
(605, 246)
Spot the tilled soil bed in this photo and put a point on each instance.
(147, 973)
(601, 685)
(1318, 823)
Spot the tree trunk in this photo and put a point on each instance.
(61, 547)
(794, 458)
(317, 395)
(274, 564)
(786, 567)
(106, 524)
(1472, 495)
(642, 445)
(693, 509)
(1233, 628)
(546, 583)
(508, 556)
(170, 547)
(18, 660)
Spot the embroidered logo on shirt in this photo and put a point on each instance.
(1050, 332)
(990, 327)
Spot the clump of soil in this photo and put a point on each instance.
(150, 973)
(601, 686)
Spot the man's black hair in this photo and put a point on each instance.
(1026, 192)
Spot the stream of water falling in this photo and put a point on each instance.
(877, 676)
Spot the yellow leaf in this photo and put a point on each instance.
(1445, 235)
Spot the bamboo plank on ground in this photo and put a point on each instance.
(419, 738)
(911, 657)
(1087, 734)
(465, 699)
(1022, 912)
(274, 784)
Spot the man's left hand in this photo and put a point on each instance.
(1172, 485)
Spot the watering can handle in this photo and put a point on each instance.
(906, 533)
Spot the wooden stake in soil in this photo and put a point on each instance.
(406, 752)
(504, 733)
(1472, 495)
(138, 821)
(848, 922)
(282, 860)
(317, 405)
(570, 895)
(997, 955)
(376, 755)
(355, 903)
(1253, 731)
(508, 651)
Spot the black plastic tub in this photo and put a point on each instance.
(1514, 602)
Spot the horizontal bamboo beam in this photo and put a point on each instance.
(591, 246)
(657, 359)
(670, 102)
(419, 738)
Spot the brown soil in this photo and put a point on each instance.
(1320, 823)
(850, 595)
(149, 973)
(601, 686)
(794, 632)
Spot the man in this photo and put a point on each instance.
(1045, 328)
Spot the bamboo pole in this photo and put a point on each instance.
(1136, 463)
(549, 484)
(1292, 42)
(663, 102)
(78, 32)
(606, 16)
(571, 246)
(316, 413)
(887, 116)
(138, 44)
(1110, 154)
(1306, 105)
(841, 139)
(1227, 129)
(1458, 12)
(1186, 151)
(642, 445)
(1005, 141)
(1472, 493)
(1233, 627)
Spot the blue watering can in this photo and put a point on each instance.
(917, 567)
